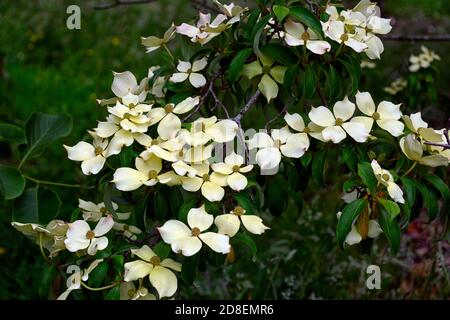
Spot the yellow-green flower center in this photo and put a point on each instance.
(206, 177)
(126, 227)
(236, 168)
(155, 260)
(103, 210)
(307, 130)
(152, 174)
(131, 293)
(305, 36)
(195, 232)
(385, 177)
(339, 122)
(238, 211)
(376, 116)
(169, 108)
(98, 151)
(277, 143)
(266, 69)
(344, 37)
(90, 235)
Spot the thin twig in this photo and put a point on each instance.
(217, 100)
(413, 38)
(276, 117)
(247, 107)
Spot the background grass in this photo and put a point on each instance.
(51, 69)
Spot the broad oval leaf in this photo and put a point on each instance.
(367, 176)
(391, 207)
(237, 64)
(12, 133)
(42, 129)
(36, 205)
(280, 12)
(12, 182)
(279, 53)
(390, 228)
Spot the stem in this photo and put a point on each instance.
(59, 184)
(247, 107)
(41, 235)
(101, 288)
(410, 169)
(169, 52)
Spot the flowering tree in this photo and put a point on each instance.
(184, 182)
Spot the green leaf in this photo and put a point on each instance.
(276, 195)
(367, 176)
(289, 77)
(113, 294)
(309, 81)
(410, 189)
(318, 164)
(12, 133)
(249, 242)
(46, 280)
(43, 129)
(244, 201)
(391, 207)
(333, 83)
(252, 20)
(126, 156)
(442, 187)
(12, 182)
(308, 18)
(117, 263)
(353, 74)
(188, 205)
(390, 228)
(257, 31)
(350, 158)
(430, 200)
(279, 53)
(160, 206)
(305, 160)
(189, 269)
(350, 212)
(97, 275)
(140, 212)
(162, 250)
(280, 12)
(237, 64)
(36, 205)
(175, 201)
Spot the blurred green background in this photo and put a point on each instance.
(46, 67)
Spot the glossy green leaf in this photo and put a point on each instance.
(189, 269)
(12, 133)
(309, 81)
(97, 275)
(244, 201)
(390, 228)
(249, 242)
(443, 188)
(430, 200)
(184, 209)
(318, 164)
(36, 205)
(390, 206)
(410, 190)
(367, 176)
(237, 64)
(308, 18)
(280, 12)
(279, 53)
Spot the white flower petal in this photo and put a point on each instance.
(334, 133)
(218, 242)
(128, 179)
(197, 80)
(199, 218)
(253, 224)
(104, 226)
(164, 281)
(356, 130)
(268, 158)
(94, 165)
(237, 181)
(169, 126)
(81, 151)
(344, 109)
(394, 127)
(212, 191)
(365, 103)
(187, 246)
(322, 116)
(295, 121)
(227, 224)
(136, 270)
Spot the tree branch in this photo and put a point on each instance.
(413, 38)
(247, 107)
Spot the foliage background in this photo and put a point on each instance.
(46, 67)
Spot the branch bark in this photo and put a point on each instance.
(247, 107)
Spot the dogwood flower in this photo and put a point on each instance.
(385, 178)
(92, 156)
(80, 236)
(296, 123)
(233, 169)
(211, 185)
(297, 35)
(125, 83)
(147, 173)
(423, 60)
(355, 237)
(335, 125)
(415, 123)
(413, 150)
(205, 30)
(127, 230)
(281, 141)
(128, 291)
(192, 71)
(153, 43)
(160, 275)
(270, 76)
(398, 85)
(204, 130)
(188, 240)
(230, 223)
(75, 279)
(336, 30)
(168, 122)
(93, 212)
(387, 114)
(50, 237)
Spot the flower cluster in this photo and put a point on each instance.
(398, 85)
(423, 60)
(358, 28)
